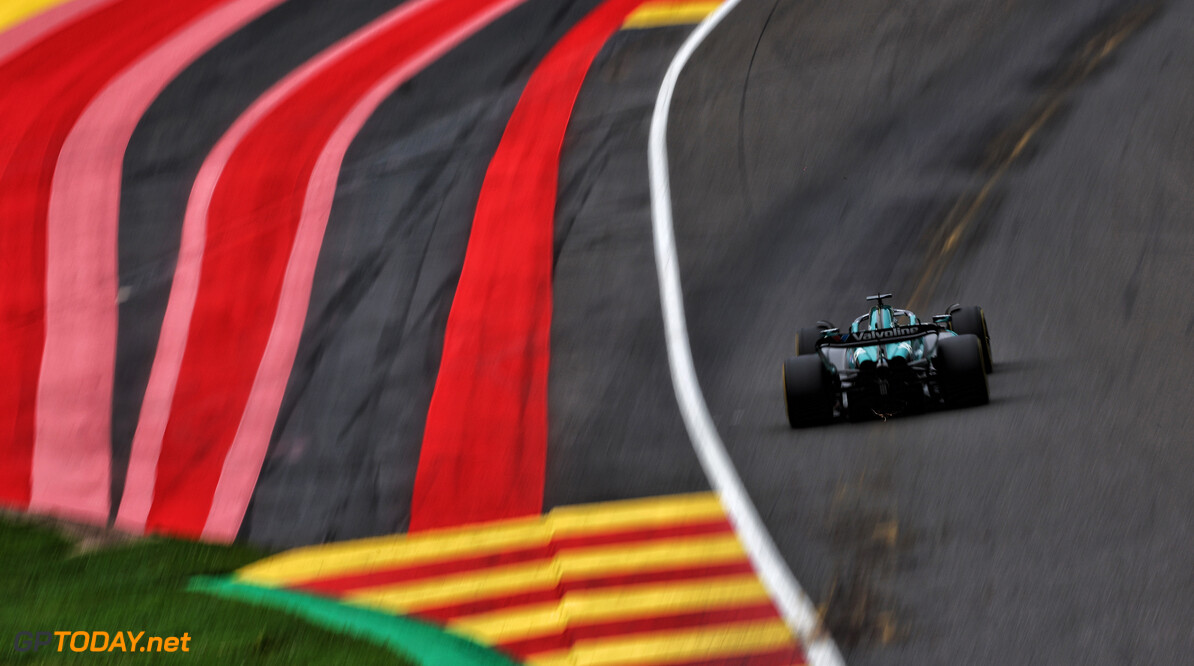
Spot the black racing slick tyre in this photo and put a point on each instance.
(806, 341)
(960, 372)
(970, 320)
(809, 394)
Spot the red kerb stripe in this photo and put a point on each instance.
(485, 442)
(251, 226)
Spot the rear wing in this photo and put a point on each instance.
(879, 337)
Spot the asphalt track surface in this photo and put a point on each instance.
(615, 431)
(819, 152)
(1051, 526)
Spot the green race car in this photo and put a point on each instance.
(889, 362)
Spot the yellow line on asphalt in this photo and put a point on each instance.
(606, 605)
(961, 216)
(670, 647)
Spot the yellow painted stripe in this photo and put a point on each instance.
(651, 555)
(608, 605)
(635, 514)
(355, 557)
(452, 590)
(659, 14)
(13, 12)
(670, 647)
(591, 563)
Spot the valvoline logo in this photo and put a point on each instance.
(887, 333)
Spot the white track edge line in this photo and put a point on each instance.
(794, 605)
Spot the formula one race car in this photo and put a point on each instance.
(889, 362)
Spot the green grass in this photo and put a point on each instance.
(141, 586)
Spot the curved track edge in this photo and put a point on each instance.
(794, 604)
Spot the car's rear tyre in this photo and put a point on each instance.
(806, 341)
(961, 375)
(971, 320)
(809, 393)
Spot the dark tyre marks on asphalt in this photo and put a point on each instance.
(346, 446)
(614, 429)
(1022, 138)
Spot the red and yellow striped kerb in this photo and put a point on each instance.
(653, 581)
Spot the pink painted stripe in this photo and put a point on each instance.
(257, 420)
(139, 486)
(72, 450)
(485, 441)
(243, 464)
(176, 323)
(29, 31)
